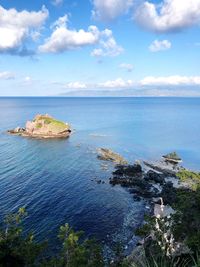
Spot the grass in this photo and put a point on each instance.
(186, 175)
(38, 125)
(52, 125)
(189, 176)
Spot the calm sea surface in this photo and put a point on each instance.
(54, 178)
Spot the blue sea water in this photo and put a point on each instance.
(54, 179)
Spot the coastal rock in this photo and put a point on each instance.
(128, 170)
(43, 126)
(162, 167)
(132, 176)
(109, 155)
(169, 193)
(155, 177)
(144, 192)
(17, 130)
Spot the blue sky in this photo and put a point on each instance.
(100, 47)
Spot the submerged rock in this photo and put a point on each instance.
(43, 126)
(109, 155)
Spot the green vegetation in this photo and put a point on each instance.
(50, 124)
(39, 125)
(189, 176)
(15, 249)
(181, 228)
(186, 225)
(53, 121)
(20, 250)
(48, 120)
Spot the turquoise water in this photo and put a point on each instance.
(54, 178)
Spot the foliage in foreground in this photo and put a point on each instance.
(18, 250)
(183, 228)
(175, 240)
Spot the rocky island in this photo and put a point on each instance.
(43, 126)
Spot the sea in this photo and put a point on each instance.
(56, 180)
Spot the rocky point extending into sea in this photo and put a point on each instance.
(159, 184)
(43, 126)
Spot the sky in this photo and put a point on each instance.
(100, 48)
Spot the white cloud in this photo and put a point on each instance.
(119, 83)
(75, 85)
(157, 45)
(107, 45)
(126, 66)
(6, 75)
(106, 10)
(170, 15)
(172, 82)
(63, 39)
(175, 80)
(16, 26)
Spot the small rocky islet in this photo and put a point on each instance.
(43, 126)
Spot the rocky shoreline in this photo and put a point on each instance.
(149, 185)
(144, 179)
(156, 183)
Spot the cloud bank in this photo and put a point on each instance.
(169, 16)
(118, 83)
(175, 80)
(15, 27)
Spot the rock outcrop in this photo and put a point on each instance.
(172, 158)
(109, 155)
(43, 126)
